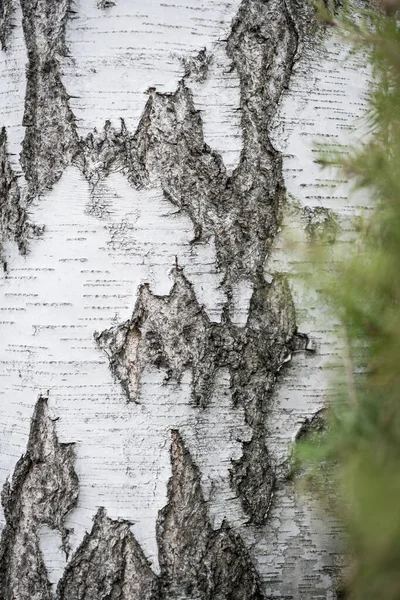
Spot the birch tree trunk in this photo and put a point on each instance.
(159, 352)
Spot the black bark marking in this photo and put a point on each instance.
(174, 333)
(196, 67)
(13, 217)
(50, 139)
(104, 4)
(44, 488)
(108, 565)
(195, 560)
(7, 9)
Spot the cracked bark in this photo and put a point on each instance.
(43, 490)
(174, 333)
(50, 138)
(109, 564)
(7, 9)
(13, 218)
(196, 561)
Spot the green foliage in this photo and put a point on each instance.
(355, 461)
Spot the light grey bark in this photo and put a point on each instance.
(240, 212)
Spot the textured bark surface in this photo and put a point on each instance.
(43, 490)
(13, 223)
(108, 564)
(175, 333)
(159, 300)
(7, 8)
(195, 560)
(50, 136)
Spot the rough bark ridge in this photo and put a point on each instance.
(43, 490)
(7, 8)
(175, 333)
(13, 218)
(195, 560)
(242, 211)
(50, 138)
(109, 564)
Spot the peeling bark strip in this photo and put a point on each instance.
(50, 139)
(196, 561)
(7, 9)
(175, 333)
(43, 490)
(13, 218)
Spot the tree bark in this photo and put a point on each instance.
(156, 158)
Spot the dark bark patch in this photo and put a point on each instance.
(108, 565)
(104, 4)
(50, 139)
(43, 489)
(174, 333)
(7, 9)
(195, 560)
(197, 67)
(13, 217)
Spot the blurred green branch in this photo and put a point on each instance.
(355, 462)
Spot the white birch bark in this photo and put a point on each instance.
(151, 309)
